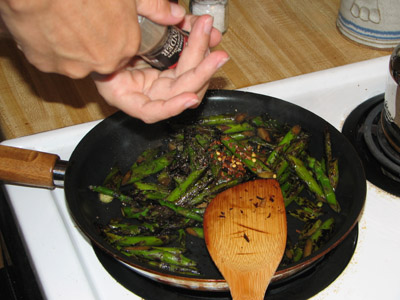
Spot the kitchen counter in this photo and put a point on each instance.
(266, 40)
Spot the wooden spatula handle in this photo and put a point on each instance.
(27, 167)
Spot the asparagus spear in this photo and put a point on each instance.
(310, 228)
(149, 186)
(314, 241)
(198, 187)
(240, 136)
(196, 231)
(283, 144)
(182, 188)
(327, 225)
(102, 190)
(162, 256)
(332, 165)
(150, 167)
(213, 190)
(174, 268)
(217, 120)
(327, 188)
(235, 128)
(189, 213)
(304, 174)
(248, 157)
(204, 140)
(333, 172)
(135, 213)
(328, 146)
(132, 229)
(305, 214)
(125, 240)
(174, 250)
(146, 155)
(293, 195)
(257, 121)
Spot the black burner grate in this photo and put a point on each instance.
(380, 161)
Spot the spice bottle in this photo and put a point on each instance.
(216, 8)
(390, 121)
(161, 46)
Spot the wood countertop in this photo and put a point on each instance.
(267, 40)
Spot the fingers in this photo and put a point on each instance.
(197, 47)
(151, 111)
(126, 91)
(154, 111)
(161, 11)
(197, 51)
(190, 21)
(215, 38)
(151, 95)
(196, 80)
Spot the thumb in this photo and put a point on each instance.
(161, 11)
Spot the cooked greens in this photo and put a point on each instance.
(165, 192)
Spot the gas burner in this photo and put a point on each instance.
(380, 161)
(300, 287)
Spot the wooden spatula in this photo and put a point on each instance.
(245, 232)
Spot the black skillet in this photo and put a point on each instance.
(119, 139)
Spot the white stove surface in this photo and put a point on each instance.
(67, 267)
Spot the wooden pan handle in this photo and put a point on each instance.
(27, 167)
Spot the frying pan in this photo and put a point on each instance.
(119, 139)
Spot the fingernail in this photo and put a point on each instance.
(208, 25)
(177, 11)
(192, 103)
(222, 62)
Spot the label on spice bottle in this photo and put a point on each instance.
(166, 56)
(392, 98)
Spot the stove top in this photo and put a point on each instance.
(67, 266)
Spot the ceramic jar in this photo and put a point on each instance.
(374, 23)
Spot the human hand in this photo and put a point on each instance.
(77, 37)
(152, 95)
